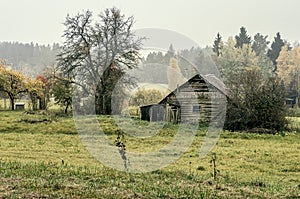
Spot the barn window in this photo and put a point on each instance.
(196, 109)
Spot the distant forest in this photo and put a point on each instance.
(190, 62)
(31, 58)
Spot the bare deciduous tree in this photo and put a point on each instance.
(98, 53)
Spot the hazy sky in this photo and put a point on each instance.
(41, 20)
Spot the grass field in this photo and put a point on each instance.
(42, 156)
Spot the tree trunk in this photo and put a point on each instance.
(98, 101)
(12, 102)
(34, 101)
(42, 103)
(105, 88)
(102, 102)
(103, 98)
(66, 109)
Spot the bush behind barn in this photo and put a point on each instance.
(256, 103)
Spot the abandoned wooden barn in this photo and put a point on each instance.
(199, 99)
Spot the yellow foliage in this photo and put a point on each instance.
(175, 77)
(288, 64)
(15, 84)
(11, 81)
(35, 86)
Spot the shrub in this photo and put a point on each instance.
(145, 97)
(255, 102)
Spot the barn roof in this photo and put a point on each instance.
(209, 79)
(215, 82)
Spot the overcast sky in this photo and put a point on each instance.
(41, 20)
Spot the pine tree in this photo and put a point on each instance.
(260, 44)
(242, 38)
(171, 53)
(274, 52)
(171, 50)
(218, 45)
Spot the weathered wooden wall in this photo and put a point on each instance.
(194, 101)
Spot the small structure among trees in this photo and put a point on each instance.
(197, 100)
(14, 85)
(11, 83)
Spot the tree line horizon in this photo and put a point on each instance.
(96, 53)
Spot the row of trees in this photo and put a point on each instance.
(154, 67)
(94, 56)
(252, 73)
(29, 58)
(251, 49)
(98, 52)
(14, 85)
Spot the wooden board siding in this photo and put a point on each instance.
(192, 102)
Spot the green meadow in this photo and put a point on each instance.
(42, 156)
